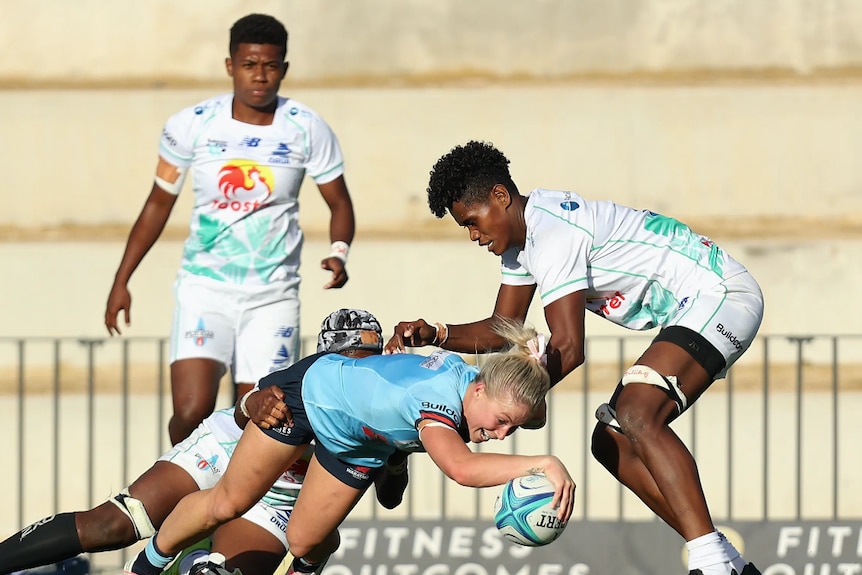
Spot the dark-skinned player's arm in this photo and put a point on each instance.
(146, 230)
(475, 337)
(342, 225)
(565, 319)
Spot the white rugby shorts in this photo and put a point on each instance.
(728, 315)
(205, 460)
(253, 330)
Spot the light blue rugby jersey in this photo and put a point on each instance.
(362, 410)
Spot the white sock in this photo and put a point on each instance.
(713, 554)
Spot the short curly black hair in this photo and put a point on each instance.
(466, 174)
(258, 29)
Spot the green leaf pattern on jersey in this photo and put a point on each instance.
(685, 241)
(239, 254)
(662, 304)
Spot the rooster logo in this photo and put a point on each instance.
(240, 176)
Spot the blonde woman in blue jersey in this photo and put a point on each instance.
(253, 543)
(237, 290)
(635, 268)
(359, 412)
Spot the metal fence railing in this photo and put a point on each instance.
(82, 418)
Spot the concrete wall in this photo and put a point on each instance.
(743, 119)
(709, 111)
(167, 41)
(709, 155)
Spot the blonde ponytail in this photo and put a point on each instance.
(518, 372)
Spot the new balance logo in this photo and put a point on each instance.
(284, 331)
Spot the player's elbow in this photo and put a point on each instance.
(562, 361)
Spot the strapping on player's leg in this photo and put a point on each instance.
(647, 375)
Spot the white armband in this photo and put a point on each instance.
(175, 186)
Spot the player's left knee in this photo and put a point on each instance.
(635, 416)
(223, 508)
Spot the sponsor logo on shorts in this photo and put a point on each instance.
(359, 472)
(284, 331)
(281, 359)
(200, 334)
(729, 335)
(570, 206)
(280, 522)
(682, 303)
(283, 430)
(204, 463)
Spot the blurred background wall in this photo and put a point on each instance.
(743, 119)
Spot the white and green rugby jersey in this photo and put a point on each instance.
(246, 179)
(638, 268)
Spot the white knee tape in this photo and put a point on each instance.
(646, 374)
(606, 414)
(134, 510)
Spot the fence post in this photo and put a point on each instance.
(800, 341)
(91, 345)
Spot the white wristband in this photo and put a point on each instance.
(243, 409)
(339, 250)
(442, 334)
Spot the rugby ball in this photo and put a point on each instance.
(523, 512)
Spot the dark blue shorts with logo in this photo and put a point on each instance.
(301, 433)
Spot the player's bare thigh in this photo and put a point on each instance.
(254, 466)
(323, 503)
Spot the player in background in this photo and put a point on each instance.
(237, 290)
(254, 542)
(635, 268)
(358, 412)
